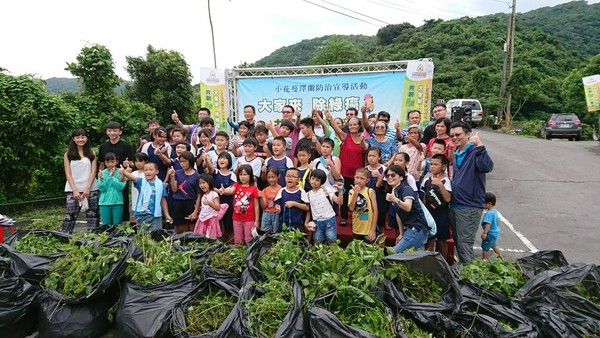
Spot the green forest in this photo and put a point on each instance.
(554, 48)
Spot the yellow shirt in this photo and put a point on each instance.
(362, 216)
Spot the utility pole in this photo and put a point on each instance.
(212, 33)
(511, 53)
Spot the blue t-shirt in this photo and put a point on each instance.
(151, 202)
(188, 186)
(415, 217)
(282, 165)
(388, 148)
(292, 217)
(491, 218)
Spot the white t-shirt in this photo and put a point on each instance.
(320, 207)
(134, 192)
(81, 171)
(318, 164)
(213, 156)
(255, 163)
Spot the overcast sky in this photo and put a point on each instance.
(39, 36)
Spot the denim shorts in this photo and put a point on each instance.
(326, 230)
(149, 223)
(411, 238)
(270, 221)
(489, 242)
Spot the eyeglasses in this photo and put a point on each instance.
(439, 110)
(456, 135)
(391, 175)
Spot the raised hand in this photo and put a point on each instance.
(175, 116)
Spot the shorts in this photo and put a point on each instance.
(442, 220)
(149, 223)
(181, 210)
(489, 242)
(270, 221)
(326, 230)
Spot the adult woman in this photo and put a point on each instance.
(442, 128)
(414, 231)
(159, 151)
(380, 140)
(352, 152)
(81, 187)
(414, 149)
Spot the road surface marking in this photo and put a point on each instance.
(504, 250)
(523, 239)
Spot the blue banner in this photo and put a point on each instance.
(381, 91)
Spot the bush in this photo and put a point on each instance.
(531, 128)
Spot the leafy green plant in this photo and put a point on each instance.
(356, 308)
(531, 128)
(41, 245)
(82, 269)
(411, 329)
(414, 284)
(329, 267)
(588, 289)
(267, 311)
(161, 262)
(233, 259)
(206, 313)
(282, 256)
(498, 275)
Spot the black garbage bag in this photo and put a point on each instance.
(32, 267)
(5, 267)
(18, 310)
(433, 316)
(323, 323)
(229, 327)
(564, 301)
(204, 247)
(85, 315)
(541, 261)
(145, 311)
(295, 250)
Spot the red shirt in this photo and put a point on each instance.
(351, 156)
(243, 202)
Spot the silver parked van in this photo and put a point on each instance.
(475, 105)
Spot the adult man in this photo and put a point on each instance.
(124, 152)
(471, 164)
(438, 110)
(192, 129)
(249, 115)
(414, 118)
(310, 139)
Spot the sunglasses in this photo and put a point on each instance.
(391, 175)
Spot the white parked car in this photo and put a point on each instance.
(475, 105)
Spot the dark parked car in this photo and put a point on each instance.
(562, 126)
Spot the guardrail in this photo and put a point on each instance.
(12, 208)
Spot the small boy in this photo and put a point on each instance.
(292, 202)
(250, 144)
(437, 193)
(363, 204)
(237, 142)
(278, 160)
(491, 230)
(152, 198)
(303, 156)
(139, 160)
(261, 133)
(330, 164)
(286, 128)
(221, 141)
(322, 211)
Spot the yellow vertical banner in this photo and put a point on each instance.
(591, 86)
(417, 90)
(213, 94)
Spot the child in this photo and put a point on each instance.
(376, 182)
(159, 151)
(401, 159)
(286, 128)
(438, 147)
(204, 146)
(236, 143)
(186, 193)
(81, 186)
(491, 230)
(270, 216)
(111, 191)
(261, 134)
(210, 158)
(246, 205)
(437, 193)
(363, 204)
(208, 222)
(278, 160)
(139, 160)
(303, 156)
(250, 145)
(152, 198)
(223, 179)
(329, 163)
(292, 203)
(322, 207)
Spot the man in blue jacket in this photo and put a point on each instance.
(471, 164)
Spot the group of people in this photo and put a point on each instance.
(307, 172)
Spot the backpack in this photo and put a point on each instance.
(433, 197)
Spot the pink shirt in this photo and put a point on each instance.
(206, 211)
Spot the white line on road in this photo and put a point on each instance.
(523, 239)
(504, 250)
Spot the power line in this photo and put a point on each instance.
(405, 9)
(344, 14)
(349, 10)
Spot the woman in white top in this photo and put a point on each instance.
(81, 187)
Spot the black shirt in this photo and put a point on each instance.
(429, 133)
(122, 149)
(308, 143)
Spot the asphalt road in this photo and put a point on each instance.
(549, 190)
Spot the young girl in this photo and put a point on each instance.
(111, 191)
(208, 223)
(322, 211)
(414, 231)
(159, 151)
(270, 216)
(236, 143)
(139, 159)
(401, 159)
(223, 179)
(81, 187)
(246, 207)
(303, 157)
(376, 183)
(363, 204)
(204, 147)
(186, 193)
